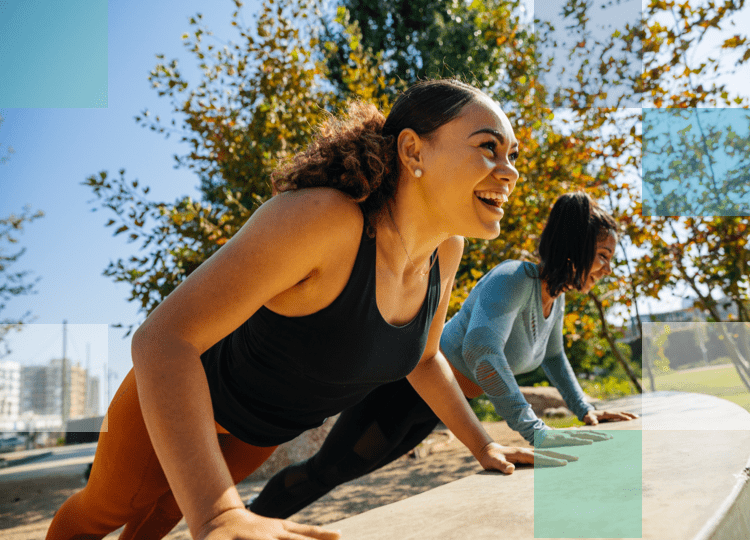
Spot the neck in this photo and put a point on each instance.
(547, 299)
(404, 239)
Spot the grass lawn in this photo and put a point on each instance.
(721, 381)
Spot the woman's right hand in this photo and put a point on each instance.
(241, 524)
(557, 438)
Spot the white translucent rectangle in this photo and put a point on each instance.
(704, 369)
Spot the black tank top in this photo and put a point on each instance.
(275, 377)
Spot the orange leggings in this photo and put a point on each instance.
(127, 485)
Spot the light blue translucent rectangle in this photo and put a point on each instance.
(607, 23)
(696, 162)
(53, 54)
(598, 496)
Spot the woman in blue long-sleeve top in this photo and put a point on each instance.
(510, 324)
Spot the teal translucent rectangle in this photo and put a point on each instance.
(598, 496)
(53, 54)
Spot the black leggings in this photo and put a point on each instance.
(389, 422)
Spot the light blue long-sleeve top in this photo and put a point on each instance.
(500, 332)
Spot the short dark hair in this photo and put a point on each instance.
(567, 247)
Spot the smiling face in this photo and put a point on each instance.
(605, 250)
(469, 170)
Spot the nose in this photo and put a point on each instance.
(507, 171)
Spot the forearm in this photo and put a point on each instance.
(561, 375)
(518, 414)
(176, 405)
(434, 382)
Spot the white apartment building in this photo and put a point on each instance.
(10, 390)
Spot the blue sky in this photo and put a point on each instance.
(57, 148)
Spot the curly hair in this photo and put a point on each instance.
(357, 154)
(567, 246)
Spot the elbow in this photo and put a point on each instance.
(152, 347)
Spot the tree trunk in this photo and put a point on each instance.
(608, 336)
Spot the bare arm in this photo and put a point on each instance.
(286, 240)
(433, 378)
(434, 381)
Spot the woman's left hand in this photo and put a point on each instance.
(593, 418)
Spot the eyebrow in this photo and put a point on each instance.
(494, 132)
(605, 247)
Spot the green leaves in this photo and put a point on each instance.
(258, 101)
(12, 283)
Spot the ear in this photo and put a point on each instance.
(409, 146)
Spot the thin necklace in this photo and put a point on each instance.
(414, 266)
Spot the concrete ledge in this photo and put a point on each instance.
(23, 460)
(694, 484)
(732, 520)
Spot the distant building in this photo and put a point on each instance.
(77, 392)
(688, 313)
(92, 397)
(41, 389)
(10, 390)
(34, 397)
(692, 340)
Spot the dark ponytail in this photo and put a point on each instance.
(567, 247)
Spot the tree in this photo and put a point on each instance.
(13, 284)
(707, 255)
(259, 101)
(490, 45)
(256, 104)
(428, 38)
(701, 254)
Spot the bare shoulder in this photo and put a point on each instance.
(290, 238)
(315, 208)
(312, 221)
(327, 226)
(450, 253)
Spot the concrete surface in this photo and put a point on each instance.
(48, 462)
(694, 482)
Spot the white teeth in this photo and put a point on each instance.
(502, 197)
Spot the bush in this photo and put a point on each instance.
(609, 387)
(484, 410)
(566, 422)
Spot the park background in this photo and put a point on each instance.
(202, 102)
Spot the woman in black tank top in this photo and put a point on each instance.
(338, 284)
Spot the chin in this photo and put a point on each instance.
(488, 232)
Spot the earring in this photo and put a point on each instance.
(418, 173)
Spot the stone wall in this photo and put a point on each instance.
(542, 398)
